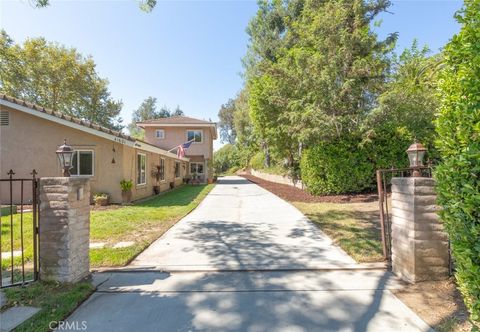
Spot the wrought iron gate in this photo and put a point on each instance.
(384, 177)
(19, 229)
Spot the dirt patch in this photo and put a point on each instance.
(438, 303)
(293, 194)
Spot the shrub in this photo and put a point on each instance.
(258, 160)
(336, 167)
(225, 158)
(126, 185)
(458, 175)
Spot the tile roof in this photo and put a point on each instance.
(176, 120)
(60, 115)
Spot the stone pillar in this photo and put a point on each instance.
(64, 229)
(419, 244)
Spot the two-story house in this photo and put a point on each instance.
(169, 133)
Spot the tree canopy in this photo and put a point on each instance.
(148, 111)
(57, 77)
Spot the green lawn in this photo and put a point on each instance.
(56, 301)
(141, 223)
(355, 227)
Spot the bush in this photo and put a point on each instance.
(225, 159)
(258, 160)
(458, 175)
(348, 164)
(337, 167)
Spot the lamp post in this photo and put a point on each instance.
(65, 156)
(416, 153)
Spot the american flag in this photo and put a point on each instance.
(181, 149)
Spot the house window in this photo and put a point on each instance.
(196, 168)
(195, 135)
(4, 118)
(82, 163)
(141, 168)
(162, 169)
(160, 133)
(177, 169)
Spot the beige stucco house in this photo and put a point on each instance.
(169, 133)
(30, 135)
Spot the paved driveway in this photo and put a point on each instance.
(245, 260)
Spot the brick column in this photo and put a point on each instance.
(419, 244)
(64, 229)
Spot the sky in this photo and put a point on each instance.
(186, 53)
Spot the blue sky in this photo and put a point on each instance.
(185, 53)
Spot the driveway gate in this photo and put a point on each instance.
(19, 229)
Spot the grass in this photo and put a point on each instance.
(355, 227)
(140, 223)
(56, 301)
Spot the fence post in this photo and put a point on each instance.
(65, 228)
(419, 244)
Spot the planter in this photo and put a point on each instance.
(156, 190)
(127, 196)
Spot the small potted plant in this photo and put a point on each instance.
(126, 186)
(101, 199)
(157, 173)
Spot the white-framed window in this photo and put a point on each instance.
(196, 168)
(177, 169)
(141, 169)
(82, 163)
(162, 169)
(159, 133)
(195, 135)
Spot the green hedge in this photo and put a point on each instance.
(258, 160)
(348, 164)
(336, 167)
(458, 176)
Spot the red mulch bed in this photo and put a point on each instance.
(293, 194)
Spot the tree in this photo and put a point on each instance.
(59, 78)
(318, 74)
(148, 111)
(225, 159)
(408, 104)
(226, 124)
(458, 175)
(145, 5)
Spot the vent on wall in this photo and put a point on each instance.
(4, 118)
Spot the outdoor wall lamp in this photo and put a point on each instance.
(416, 153)
(65, 156)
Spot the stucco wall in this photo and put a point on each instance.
(29, 142)
(175, 136)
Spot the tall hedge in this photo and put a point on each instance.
(336, 167)
(348, 164)
(458, 176)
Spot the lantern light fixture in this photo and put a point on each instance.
(65, 157)
(416, 154)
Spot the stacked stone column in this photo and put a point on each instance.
(419, 244)
(64, 229)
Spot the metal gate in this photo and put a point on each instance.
(19, 229)
(384, 177)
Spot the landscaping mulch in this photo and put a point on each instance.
(294, 194)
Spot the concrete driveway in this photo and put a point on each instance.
(245, 260)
